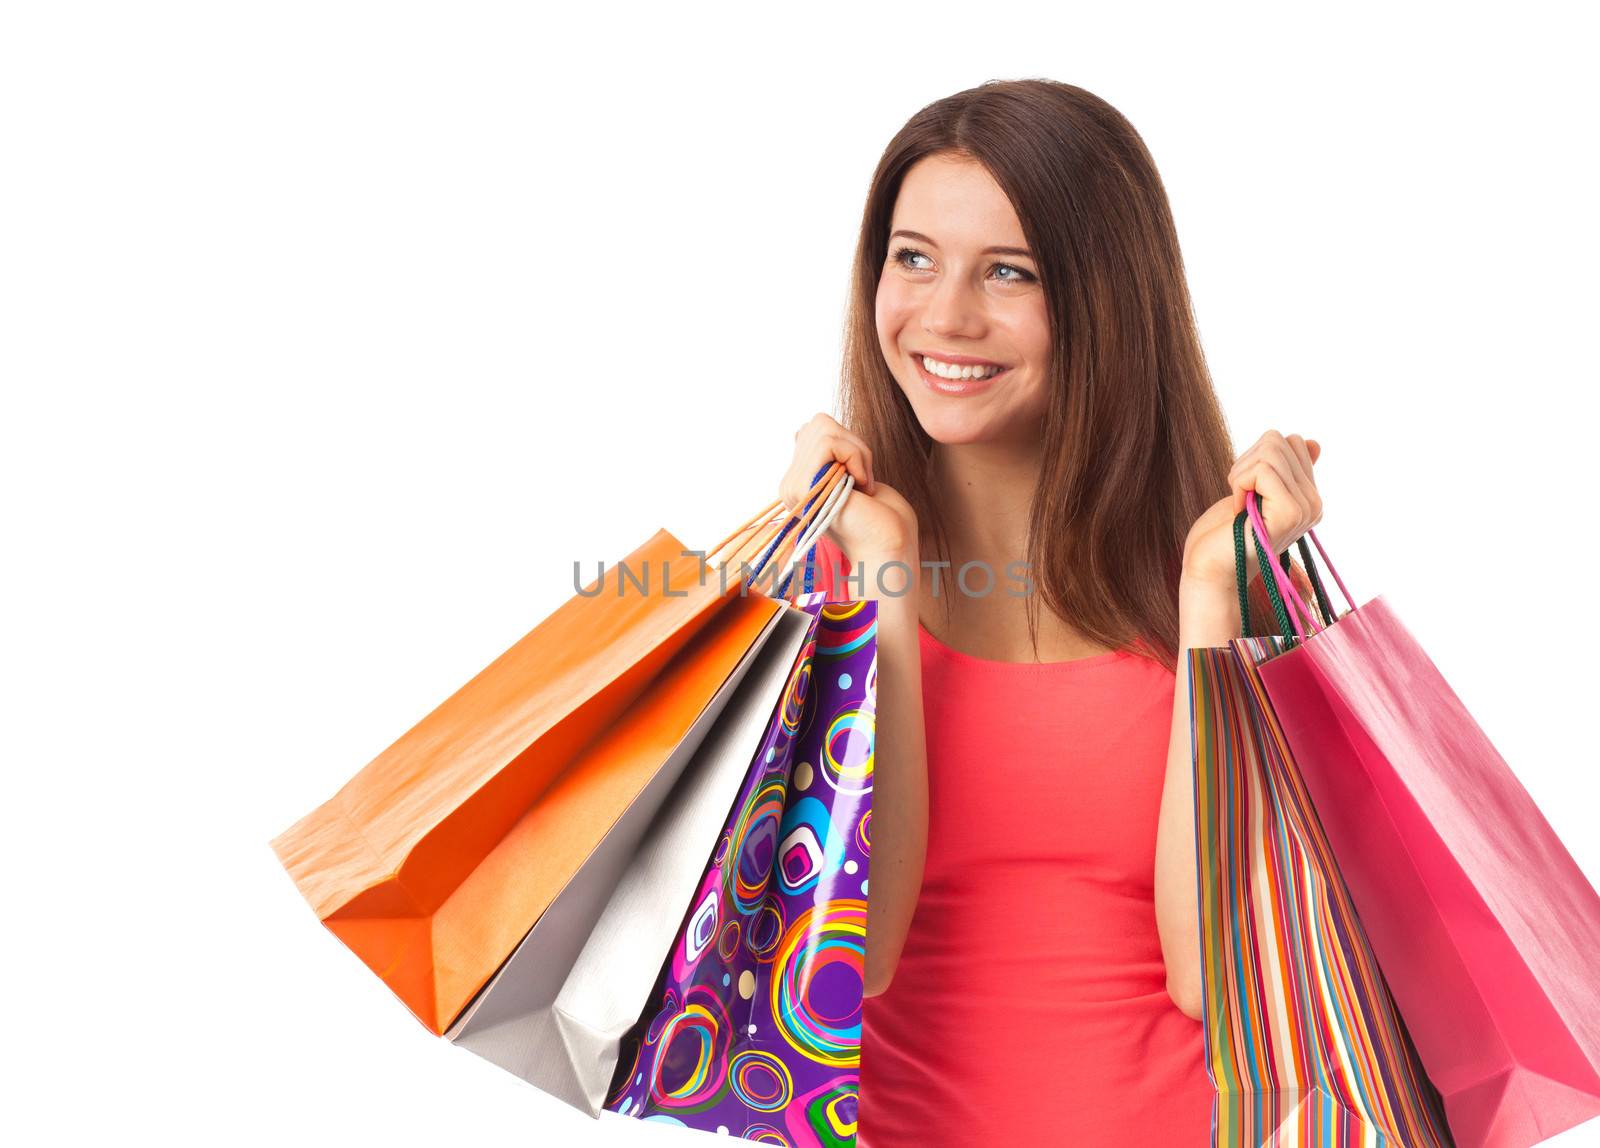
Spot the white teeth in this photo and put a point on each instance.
(949, 371)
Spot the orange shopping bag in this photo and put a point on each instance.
(436, 859)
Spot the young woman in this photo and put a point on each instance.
(1044, 504)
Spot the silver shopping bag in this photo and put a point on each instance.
(557, 1009)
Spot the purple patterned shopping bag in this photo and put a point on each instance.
(754, 1026)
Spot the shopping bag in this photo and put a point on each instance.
(436, 859)
(1487, 930)
(556, 1011)
(1303, 1042)
(754, 1026)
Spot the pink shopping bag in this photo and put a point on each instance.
(1486, 930)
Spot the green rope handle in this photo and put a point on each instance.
(1242, 574)
(1285, 627)
(1279, 610)
(1241, 571)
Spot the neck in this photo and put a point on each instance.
(984, 490)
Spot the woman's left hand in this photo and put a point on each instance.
(1278, 469)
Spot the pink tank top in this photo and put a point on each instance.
(1029, 1005)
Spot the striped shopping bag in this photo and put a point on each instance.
(1303, 1043)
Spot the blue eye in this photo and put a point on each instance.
(1024, 276)
(903, 255)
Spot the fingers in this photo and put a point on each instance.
(1240, 464)
(1303, 456)
(1237, 477)
(1289, 464)
(1292, 456)
(849, 448)
(802, 475)
(1302, 452)
(1285, 507)
(854, 454)
(1258, 450)
(819, 442)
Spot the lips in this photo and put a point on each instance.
(956, 386)
(956, 360)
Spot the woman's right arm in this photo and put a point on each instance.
(875, 528)
(899, 773)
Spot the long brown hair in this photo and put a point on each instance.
(1136, 445)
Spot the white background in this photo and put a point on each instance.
(333, 333)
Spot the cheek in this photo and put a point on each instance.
(893, 310)
(1030, 332)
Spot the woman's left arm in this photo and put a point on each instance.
(1278, 469)
(1205, 618)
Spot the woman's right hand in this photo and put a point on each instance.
(875, 526)
(875, 522)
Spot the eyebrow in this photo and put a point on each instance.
(986, 251)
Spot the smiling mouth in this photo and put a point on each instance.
(946, 386)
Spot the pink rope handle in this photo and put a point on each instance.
(1328, 562)
(1286, 586)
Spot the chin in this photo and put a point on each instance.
(968, 420)
(951, 427)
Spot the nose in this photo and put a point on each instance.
(952, 310)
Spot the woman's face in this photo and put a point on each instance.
(959, 286)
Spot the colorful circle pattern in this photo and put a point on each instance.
(826, 945)
(753, 1027)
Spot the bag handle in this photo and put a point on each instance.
(762, 534)
(807, 546)
(1279, 586)
(805, 550)
(783, 548)
(1242, 579)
